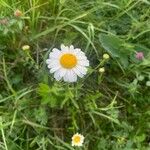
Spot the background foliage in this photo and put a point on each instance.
(111, 109)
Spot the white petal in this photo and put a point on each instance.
(71, 48)
(77, 71)
(51, 60)
(83, 62)
(48, 61)
(73, 76)
(52, 70)
(81, 57)
(80, 144)
(55, 54)
(82, 53)
(66, 78)
(57, 75)
(64, 48)
(76, 51)
(62, 72)
(82, 69)
(54, 64)
(70, 76)
(55, 50)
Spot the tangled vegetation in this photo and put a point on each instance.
(109, 106)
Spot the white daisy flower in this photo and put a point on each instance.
(77, 139)
(67, 63)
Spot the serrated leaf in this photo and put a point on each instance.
(43, 89)
(50, 95)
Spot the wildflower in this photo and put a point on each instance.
(106, 56)
(139, 55)
(18, 13)
(67, 63)
(25, 47)
(102, 70)
(77, 140)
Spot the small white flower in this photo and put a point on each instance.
(77, 139)
(67, 63)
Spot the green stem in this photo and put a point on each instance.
(30, 57)
(3, 135)
(6, 78)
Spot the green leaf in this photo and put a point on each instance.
(124, 61)
(111, 44)
(148, 83)
(140, 138)
(116, 47)
(41, 115)
(43, 89)
(47, 95)
(51, 95)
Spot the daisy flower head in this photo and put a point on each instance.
(77, 139)
(67, 63)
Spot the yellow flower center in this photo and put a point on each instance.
(77, 139)
(68, 61)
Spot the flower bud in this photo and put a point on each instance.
(106, 56)
(102, 70)
(25, 47)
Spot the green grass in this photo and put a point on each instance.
(111, 109)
